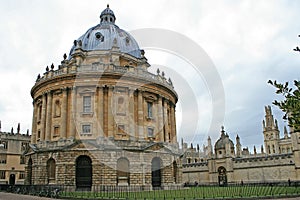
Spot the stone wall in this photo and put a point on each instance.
(104, 167)
(255, 169)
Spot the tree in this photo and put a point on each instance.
(291, 103)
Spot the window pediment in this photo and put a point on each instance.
(86, 92)
(150, 97)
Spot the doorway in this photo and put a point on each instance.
(12, 179)
(156, 172)
(83, 173)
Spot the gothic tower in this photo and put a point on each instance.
(271, 132)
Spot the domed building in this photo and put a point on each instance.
(224, 146)
(101, 118)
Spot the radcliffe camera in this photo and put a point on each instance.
(110, 122)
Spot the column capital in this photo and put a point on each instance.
(100, 87)
(49, 92)
(64, 89)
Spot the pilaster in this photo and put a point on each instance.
(63, 133)
(166, 120)
(34, 123)
(173, 123)
(110, 121)
(43, 118)
(140, 116)
(73, 111)
(160, 119)
(131, 113)
(100, 115)
(49, 116)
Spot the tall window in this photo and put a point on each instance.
(123, 172)
(149, 109)
(87, 104)
(3, 158)
(21, 175)
(24, 146)
(22, 159)
(51, 169)
(86, 129)
(120, 106)
(2, 174)
(57, 108)
(3, 144)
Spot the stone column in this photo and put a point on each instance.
(34, 123)
(105, 109)
(72, 113)
(49, 116)
(100, 111)
(43, 118)
(63, 133)
(160, 122)
(110, 122)
(166, 120)
(140, 116)
(173, 124)
(130, 114)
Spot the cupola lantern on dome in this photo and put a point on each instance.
(107, 16)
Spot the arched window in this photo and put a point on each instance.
(175, 171)
(51, 168)
(123, 173)
(222, 176)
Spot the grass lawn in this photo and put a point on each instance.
(201, 192)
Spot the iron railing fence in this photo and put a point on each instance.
(174, 192)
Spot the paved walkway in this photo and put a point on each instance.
(10, 196)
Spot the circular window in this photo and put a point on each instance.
(99, 36)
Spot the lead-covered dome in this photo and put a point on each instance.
(223, 140)
(106, 35)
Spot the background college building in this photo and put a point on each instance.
(12, 159)
(277, 161)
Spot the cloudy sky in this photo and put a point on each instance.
(248, 42)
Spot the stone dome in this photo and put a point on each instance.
(107, 35)
(223, 140)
